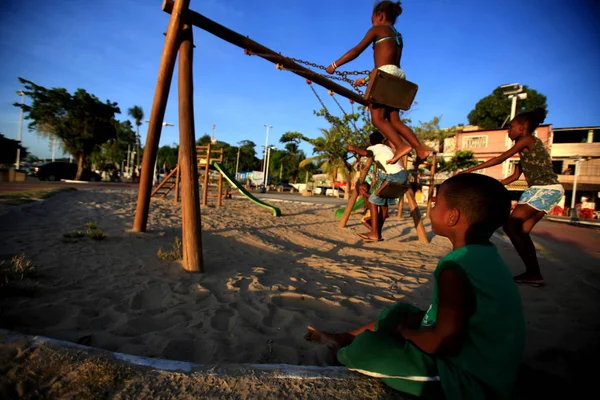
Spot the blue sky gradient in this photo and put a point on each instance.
(457, 51)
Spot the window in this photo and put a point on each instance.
(511, 167)
(475, 142)
(557, 166)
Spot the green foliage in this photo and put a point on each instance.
(8, 150)
(16, 275)
(114, 151)
(492, 111)
(174, 253)
(80, 121)
(431, 132)
(94, 232)
(461, 160)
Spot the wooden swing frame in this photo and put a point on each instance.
(179, 39)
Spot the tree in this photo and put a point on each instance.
(461, 160)
(114, 151)
(137, 114)
(8, 150)
(493, 111)
(431, 132)
(80, 121)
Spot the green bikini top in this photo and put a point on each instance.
(397, 36)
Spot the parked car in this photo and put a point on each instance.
(285, 187)
(55, 171)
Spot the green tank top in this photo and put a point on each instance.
(492, 350)
(537, 165)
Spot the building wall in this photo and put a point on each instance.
(487, 144)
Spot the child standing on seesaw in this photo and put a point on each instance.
(543, 193)
(387, 51)
(378, 206)
(470, 341)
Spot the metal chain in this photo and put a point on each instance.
(344, 111)
(337, 75)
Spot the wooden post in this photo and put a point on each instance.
(354, 194)
(205, 188)
(400, 206)
(220, 201)
(157, 114)
(190, 205)
(431, 184)
(177, 178)
(416, 215)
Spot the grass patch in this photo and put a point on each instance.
(93, 231)
(16, 275)
(27, 196)
(174, 253)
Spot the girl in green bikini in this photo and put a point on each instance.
(387, 50)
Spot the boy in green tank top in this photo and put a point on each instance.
(469, 343)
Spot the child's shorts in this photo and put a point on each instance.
(393, 70)
(400, 364)
(398, 177)
(542, 198)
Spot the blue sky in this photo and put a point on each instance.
(457, 51)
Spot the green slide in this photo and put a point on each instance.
(357, 206)
(276, 211)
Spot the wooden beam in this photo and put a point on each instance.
(210, 26)
(157, 114)
(354, 194)
(416, 215)
(431, 185)
(190, 196)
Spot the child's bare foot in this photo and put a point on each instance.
(399, 154)
(532, 279)
(329, 339)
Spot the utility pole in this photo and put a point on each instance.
(18, 163)
(237, 163)
(265, 153)
(213, 140)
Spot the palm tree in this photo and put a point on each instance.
(137, 114)
(331, 153)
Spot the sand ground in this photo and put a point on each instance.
(266, 279)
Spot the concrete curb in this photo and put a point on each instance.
(274, 371)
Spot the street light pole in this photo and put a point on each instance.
(574, 214)
(266, 144)
(18, 163)
(266, 174)
(237, 163)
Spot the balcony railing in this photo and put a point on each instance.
(575, 149)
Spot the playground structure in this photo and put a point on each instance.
(208, 157)
(393, 191)
(179, 39)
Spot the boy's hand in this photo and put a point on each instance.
(330, 69)
(360, 82)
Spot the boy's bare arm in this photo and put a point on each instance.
(359, 151)
(451, 318)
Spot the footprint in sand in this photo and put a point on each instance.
(151, 298)
(220, 321)
(302, 302)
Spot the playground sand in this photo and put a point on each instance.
(266, 279)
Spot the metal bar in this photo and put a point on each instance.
(210, 26)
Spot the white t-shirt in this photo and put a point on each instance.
(382, 153)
